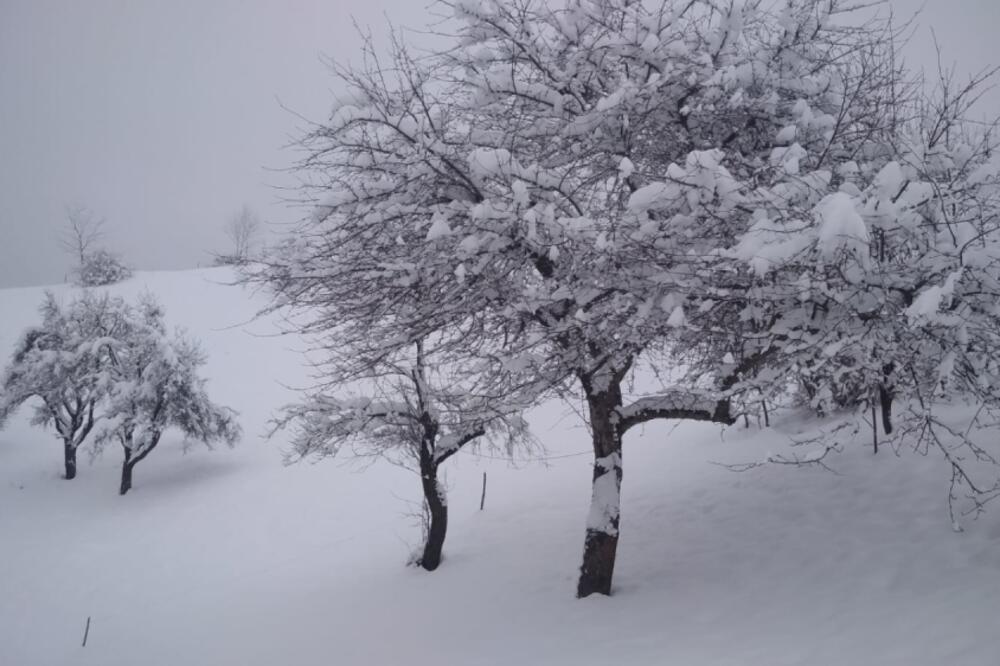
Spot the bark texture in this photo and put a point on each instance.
(126, 483)
(69, 459)
(600, 546)
(132, 459)
(438, 528)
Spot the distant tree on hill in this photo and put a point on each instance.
(100, 365)
(81, 233)
(153, 384)
(61, 363)
(95, 266)
(242, 231)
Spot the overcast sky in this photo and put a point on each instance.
(164, 116)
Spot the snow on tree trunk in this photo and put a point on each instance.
(69, 456)
(132, 458)
(601, 543)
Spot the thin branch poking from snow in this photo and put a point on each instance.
(816, 457)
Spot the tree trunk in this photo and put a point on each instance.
(438, 508)
(885, 395)
(132, 458)
(885, 400)
(69, 457)
(601, 543)
(127, 466)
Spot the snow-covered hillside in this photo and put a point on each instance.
(228, 557)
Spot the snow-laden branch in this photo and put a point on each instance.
(675, 404)
(450, 443)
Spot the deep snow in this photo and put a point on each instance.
(228, 557)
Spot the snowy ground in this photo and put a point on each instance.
(227, 557)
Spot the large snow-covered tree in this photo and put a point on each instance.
(152, 384)
(591, 186)
(60, 362)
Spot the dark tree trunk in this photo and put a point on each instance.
(127, 466)
(438, 508)
(885, 401)
(601, 543)
(132, 458)
(69, 458)
(885, 396)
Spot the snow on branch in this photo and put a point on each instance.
(450, 443)
(675, 404)
(323, 423)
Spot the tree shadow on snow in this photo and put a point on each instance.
(184, 473)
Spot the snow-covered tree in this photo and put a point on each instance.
(384, 317)
(60, 364)
(890, 276)
(152, 385)
(416, 415)
(595, 186)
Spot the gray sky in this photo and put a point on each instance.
(163, 116)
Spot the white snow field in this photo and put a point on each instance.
(228, 557)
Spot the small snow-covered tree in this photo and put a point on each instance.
(416, 416)
(60, 363)
(381, 313)
(153, 385)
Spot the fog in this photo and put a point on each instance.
(166, 118)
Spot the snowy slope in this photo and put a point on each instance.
(228, 557)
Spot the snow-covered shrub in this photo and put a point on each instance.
(102, 267)
(61, 363)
